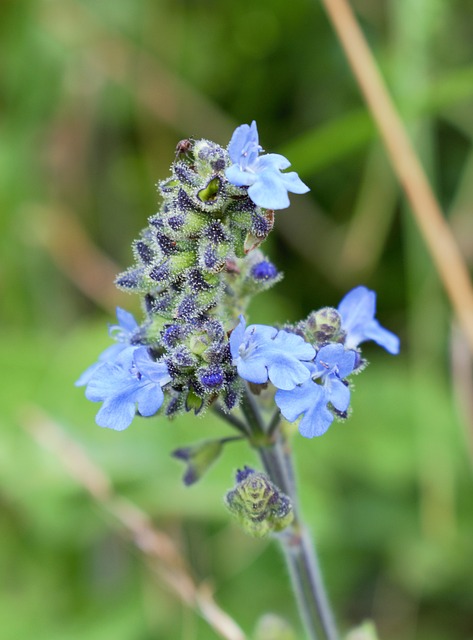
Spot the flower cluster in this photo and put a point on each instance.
(309, 364)
(198, 264)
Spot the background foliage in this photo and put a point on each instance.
(94, 97)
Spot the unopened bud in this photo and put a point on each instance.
(322, 326)
(258, 505)
(199, 458)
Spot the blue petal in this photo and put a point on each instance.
(116, 413)
(334, 356)
(253, 369)
(243, 136)
(295, 345)
(357, 310)
(268, 191)
(293, 183)
(149, 398)
(238, 177)
(272, 161)
(261, 352)
(126, 320)
(337, 393)
(262, 333)
(283, 355)
(157, 372)
(236, 337)
(295, 402)
(112, 377)
(286, 372)
(316, 421)
(309, 401)
(358, 306)
(268, 187)
(109, 355)
(386, 339)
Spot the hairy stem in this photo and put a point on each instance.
(297, 546)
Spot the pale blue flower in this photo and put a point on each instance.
(123, 333)
(325, 388)
(268, 187)
(132, 381)
(261, 352)
(357, 310)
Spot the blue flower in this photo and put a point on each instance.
(123, 333)
(133, 380)
(357, 310)
(332, 364)
(268, 187)
(261, 352)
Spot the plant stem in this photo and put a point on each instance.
(296, 543)
(231, 419)
(298, 548)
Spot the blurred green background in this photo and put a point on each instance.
(93, 99)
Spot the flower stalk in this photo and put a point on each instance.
(297, 546)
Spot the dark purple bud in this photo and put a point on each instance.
(173, 406)
(144, 252)
(172, 335)
(197, 281)
(177, 221)
(130, 280)
(212, 153)
(212, 377)
(211, 260)
(262, 224)
(215, 232)
(160, 303)
(184, 202)
(264, 270)
(218, 164)
(242, 474)
(183, 358)
(156, 221)
(187, 308)
(184, 173)
(214, 329)
(174, 370)
(230, 399)
(160, 273)
(166, 244)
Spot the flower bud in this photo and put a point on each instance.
(199, 458)
(258, 505)
(322, 326)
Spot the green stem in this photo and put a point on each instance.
(298, 548)
(254, 419)
(231, 419)
(296, 543)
